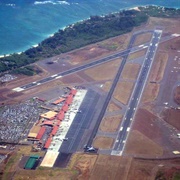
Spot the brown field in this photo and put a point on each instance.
(172, 116)
(150, 93)
(167, 23)
(110, 124)
(107, 85)
(139, 144)
(105, 71)
(113, 107)
(103, 142)
(111, 168)
(116, 43)
(147, 169)
(84, 163)
(98, 50)
(130, 71)
(177, 95)
(137, 54)
(123, 91)
(159, 67)
(143, 38)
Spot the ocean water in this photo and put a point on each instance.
(24, 23)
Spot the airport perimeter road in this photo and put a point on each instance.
(136, 95)
(86, 66)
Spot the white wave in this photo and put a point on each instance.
(51, 2)
(10, 4)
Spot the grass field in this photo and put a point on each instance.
(103, 142)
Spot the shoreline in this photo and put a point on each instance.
(64, 27)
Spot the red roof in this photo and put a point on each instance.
(48, 123)
(54, 131)
(58, 101)
(58, 123)
(60, 115)
(73, 92)
(69, 99)
(41, 133)
(65, 107)
(48, 142)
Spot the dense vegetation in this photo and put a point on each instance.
(95, 29)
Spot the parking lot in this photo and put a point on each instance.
(16, 120)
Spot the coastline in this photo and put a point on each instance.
(64, 27)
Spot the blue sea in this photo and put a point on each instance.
(24, 23)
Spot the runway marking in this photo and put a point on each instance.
(124, 141)
(54, 75)
(131, 119)
(141, 45)
(34, 82)
(18, 89)
(38, 84)
(121, 129)
(58, 77)
(145, 47)
(128, 129)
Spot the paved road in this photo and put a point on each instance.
(136, 95)
(86, 66)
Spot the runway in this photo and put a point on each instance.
(136, 95)
(86, 66)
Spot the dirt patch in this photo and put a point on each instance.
(111, 167)
(146, 169)
(150, 93)
(158, 67)
(172, 116)
(110, 124)
(134, 145)
(84, 164)
(117, 43)
(137, 54)
(130, 71)
(144, 123)
(143, 38)
(177, 95)
(103, 142)
(107, 85)
(123, 91)
(105, 71)
(98, 50)
(168, 24)
(113, 107)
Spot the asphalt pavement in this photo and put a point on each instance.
(136, 95)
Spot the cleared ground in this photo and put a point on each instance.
(143, 38)
(111, 167)
(105, 71)
(158, 67)
(137, 54)
(123, 91)
(172, 116)
(150, 92)
(113, 107)
(95, 51)
(107, 85)
(103, 142)
(139, 144)
(177, 95)
(130, 71)
(110, 124)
